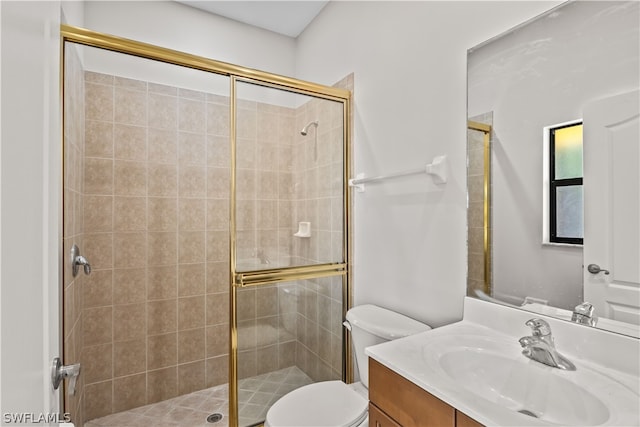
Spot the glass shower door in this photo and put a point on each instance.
(289, 248)
(289, 179)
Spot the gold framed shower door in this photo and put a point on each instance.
(237, 74)
(485, 129)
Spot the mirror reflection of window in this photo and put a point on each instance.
(565, 184)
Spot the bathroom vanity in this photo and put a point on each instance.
(474, 373)
(396, 401)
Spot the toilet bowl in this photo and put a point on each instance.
(334, 403)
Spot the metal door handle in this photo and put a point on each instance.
(60, 372)
(595, 269)
(78, 260)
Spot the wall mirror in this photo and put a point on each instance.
(575, 64)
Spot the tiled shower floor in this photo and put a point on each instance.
(255, 397)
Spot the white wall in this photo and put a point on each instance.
(409, 60)
(72, 12)
(183, 28)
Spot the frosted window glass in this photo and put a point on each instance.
(568, 152)
(569, 212)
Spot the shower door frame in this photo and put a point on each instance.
(485, 129)
(242, 279)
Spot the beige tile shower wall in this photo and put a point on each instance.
(156, 231)
(318, 198)
(73, 217)
(264, 183)
(266, 329)
(267, 314)
(319, 328)
(475, 183)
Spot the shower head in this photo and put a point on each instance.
(305, 129)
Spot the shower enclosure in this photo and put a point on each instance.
(210, 201)
(479, 207)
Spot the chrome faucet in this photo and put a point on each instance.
(583, 314)
(540, 347)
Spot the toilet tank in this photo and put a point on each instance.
(371, 325)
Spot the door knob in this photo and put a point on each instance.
(595, 269)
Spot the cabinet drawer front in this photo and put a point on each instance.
(405, 402)
(377, 418)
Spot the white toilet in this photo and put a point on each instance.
(334, 403)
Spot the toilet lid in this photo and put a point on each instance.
(327, 403)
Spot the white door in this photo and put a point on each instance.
(29, 191)
(612, 206)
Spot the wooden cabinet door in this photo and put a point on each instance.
(463, 420)
(377, 418)
(405, 402)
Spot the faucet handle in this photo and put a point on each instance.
(585, 309)
(539, 327)
(583, 313)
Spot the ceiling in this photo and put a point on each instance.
(284, 17)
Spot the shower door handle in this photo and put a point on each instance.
(78, 260)
(59, 372)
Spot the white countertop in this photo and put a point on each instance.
(415, 359)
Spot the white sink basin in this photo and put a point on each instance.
(484, 374)
(495, 370)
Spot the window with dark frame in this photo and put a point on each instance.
(566, 223)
